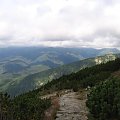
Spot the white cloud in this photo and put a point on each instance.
(71, 23)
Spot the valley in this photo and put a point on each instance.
(41, 78)
(40, 65)
(59, 60)
(21, 71)
(72, 104)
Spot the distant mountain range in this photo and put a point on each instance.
(34, 81)
(34, 59)
(23, 69)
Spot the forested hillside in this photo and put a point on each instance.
(36, 80)
(24, 107)
(18, 65)
(103, 100)
(104, 97)
(84, 78)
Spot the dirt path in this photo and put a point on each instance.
(72, 107)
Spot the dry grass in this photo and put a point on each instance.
(51, 112)
(82, 94)
(116, 74)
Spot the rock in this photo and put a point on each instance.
(72, 108)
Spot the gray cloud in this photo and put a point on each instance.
(6, 38)
(67, 23)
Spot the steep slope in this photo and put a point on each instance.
(36, 80)
(82, 79)
(103, 100)
(19, 65)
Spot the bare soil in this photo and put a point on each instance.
(72, 106)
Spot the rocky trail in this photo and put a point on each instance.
(72, 107)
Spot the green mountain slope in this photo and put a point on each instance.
(103, 100)
(82, 79)
(16, 60)
(30, 67)
(36, 80)
(103, 91)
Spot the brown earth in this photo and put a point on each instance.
(72, 106)
(51, 112)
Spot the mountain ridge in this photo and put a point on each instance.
(36, 80)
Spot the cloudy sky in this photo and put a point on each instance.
(64, 23)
